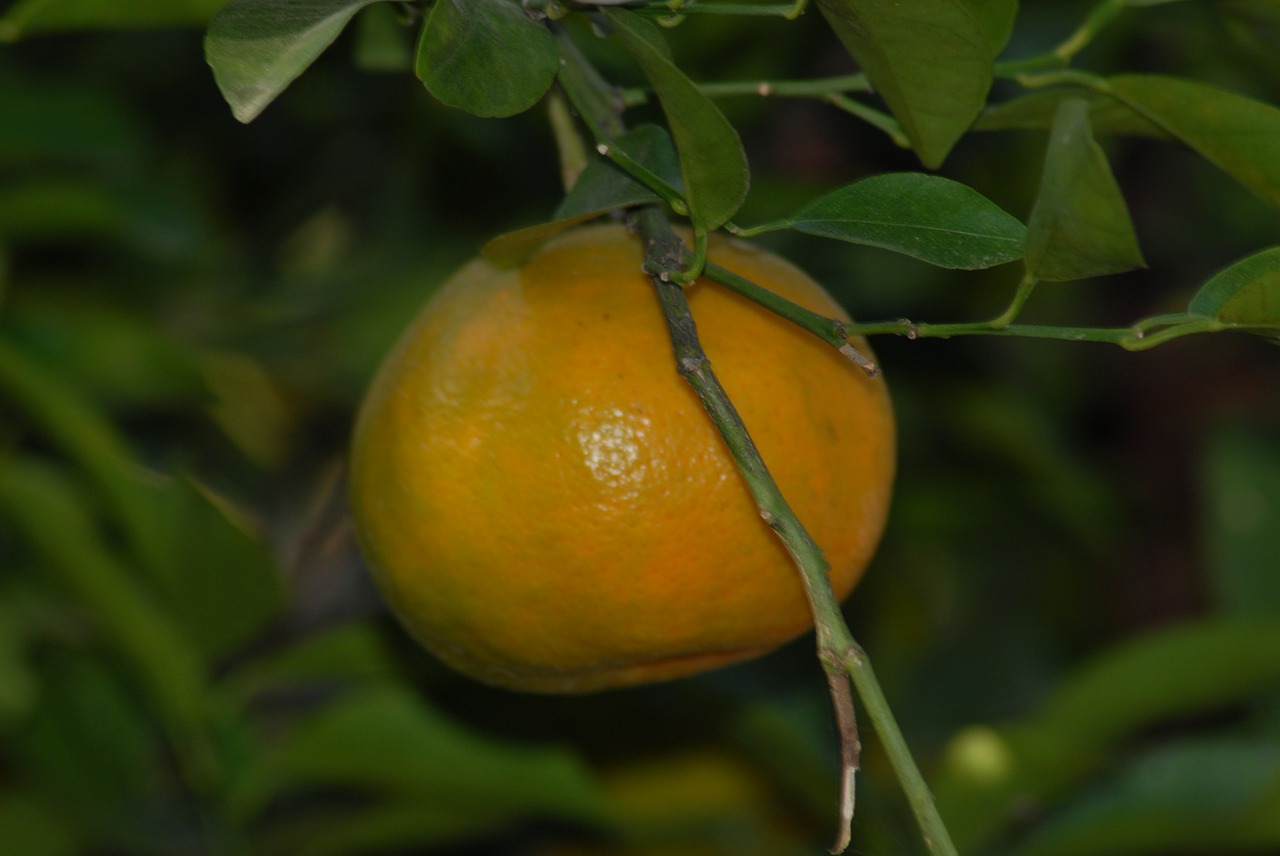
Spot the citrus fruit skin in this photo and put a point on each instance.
(545, 504)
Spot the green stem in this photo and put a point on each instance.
(858, 667)
(645, 176)
(1025, 287)
(1061, 55)
(1101, 15)
(1133, 338)
(829, 89)
(841, 656)
(833, 331)
(822, 87)
(569, 144)
(876, 119)
(664, 256)
(693, 7)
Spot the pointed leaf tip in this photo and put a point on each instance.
(256, 48)
(1080, 226)
(713, 164)
(930, 60)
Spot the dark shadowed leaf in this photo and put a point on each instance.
(31, 827)
(1255, 22)
(930, 60)
(930, 218)
(407, 825)
(68, 123)
(712, 162)
(1145, 681)
(258, 47)
(1246, 293)
(382, 41)
(1189, 670)
(386, 741)
(1238, 134)
(19, 686)
(1241, 520)
(487, 57)
(93, 748)
(84, 434)
(1035, 112)
(603, 186)
(44, 508)
(68, 336)
(349, 653)
(513, 248)
(225, 585)
(38, 16)
(1080, 225)
(1206, 796)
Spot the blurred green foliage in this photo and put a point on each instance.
(1076, 611)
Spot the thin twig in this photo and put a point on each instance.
(1140, 336)
(833, 331)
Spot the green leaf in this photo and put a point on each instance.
(247, 404)
(1246, 293)
(68, 334)
(141, 218)
(513, 248)
(385, 741)
(225, 586)
(487, 57)
(382, 41)
(93, 748)
(1080, 225)
(34, 829)
(18, 685)
(603, 186)
(38, 16)
(933, 219)
(73, 426)
(1241, 522)
(1211, 796)
(1239, 135)
(42, 506)
(1035, 111)
(352, 652)
(1256, 24)
(72, 123)
(996, 18)
(1189, 670)
(258, 47)
(712, 163)
(930, 60)
(407, 825)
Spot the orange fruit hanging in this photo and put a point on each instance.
(545, 504)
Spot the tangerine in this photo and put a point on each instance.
(547, 507)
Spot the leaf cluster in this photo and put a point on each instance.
(927, 73)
